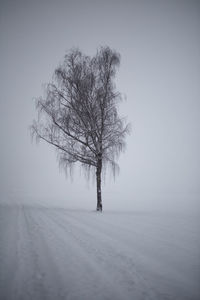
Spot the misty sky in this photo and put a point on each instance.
(159, 43)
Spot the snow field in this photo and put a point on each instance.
(55, 253)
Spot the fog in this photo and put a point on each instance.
(159, 43)
(146, 243)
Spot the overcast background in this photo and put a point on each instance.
(159, 43)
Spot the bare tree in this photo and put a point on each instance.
(78, 114)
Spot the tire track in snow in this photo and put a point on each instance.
(149, 257)
(104, 252)
(46, 281)
(50, 253)
(103, 287)
(122, 258)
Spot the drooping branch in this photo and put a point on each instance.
(78, 114)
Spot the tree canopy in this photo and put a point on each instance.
(79, 112)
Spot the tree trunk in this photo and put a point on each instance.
(98, 177)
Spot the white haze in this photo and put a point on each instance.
(159, 43)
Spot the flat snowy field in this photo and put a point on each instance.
(54, 253)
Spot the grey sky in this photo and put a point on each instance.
(159, 42)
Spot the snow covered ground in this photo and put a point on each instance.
(55, 253)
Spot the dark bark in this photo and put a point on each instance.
(98, 178)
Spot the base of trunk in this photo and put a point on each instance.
(99, 207)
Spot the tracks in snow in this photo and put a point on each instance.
(49, 253)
